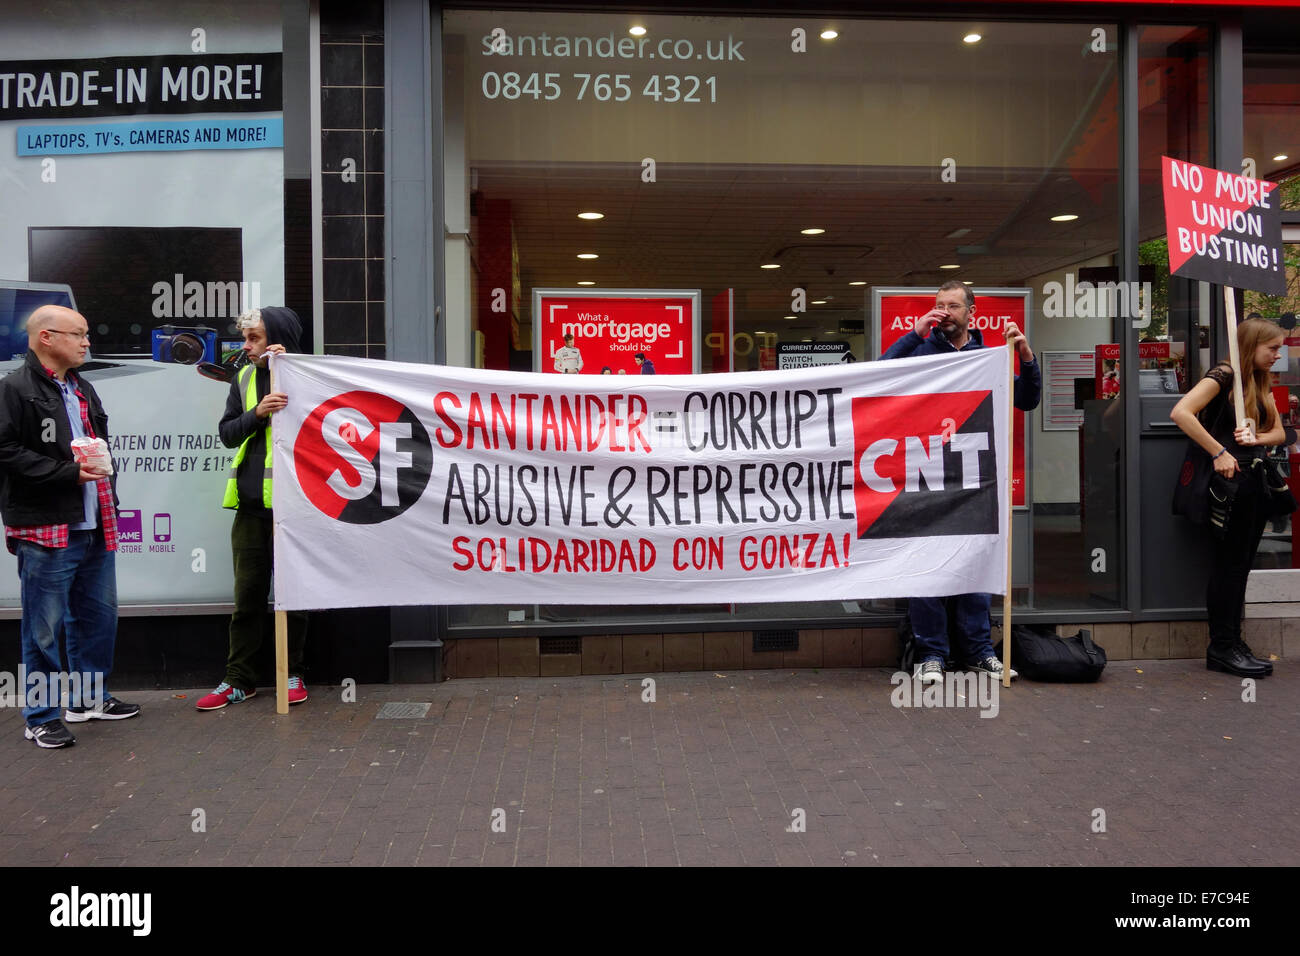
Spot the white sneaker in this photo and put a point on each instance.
(111, 709)
(991, 665)
(930, 672)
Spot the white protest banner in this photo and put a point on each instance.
(414, 484)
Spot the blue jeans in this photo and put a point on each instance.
(930, 626)
(71, 592)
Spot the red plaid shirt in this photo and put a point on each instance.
(56, 535)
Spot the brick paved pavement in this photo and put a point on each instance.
(711, 773)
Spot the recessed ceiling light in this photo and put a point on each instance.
(971, 38)
(967, 282)
(957, 233)
(586, 282)
(859, 282)
(637, 31)
(591, 215)
(951, 265)
(812, 231)
(792, 316)
(1065, 217)
(770, 265)
(588, 255)
(1279, 157)
(818, 301)
(829, 34)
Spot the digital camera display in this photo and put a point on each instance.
(184, 345)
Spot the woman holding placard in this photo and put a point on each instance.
(1206, 415)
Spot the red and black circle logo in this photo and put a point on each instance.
(362, 457)
(1185, 478)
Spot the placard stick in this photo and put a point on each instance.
(1006, 593)
(1238, 401)
(281, 618)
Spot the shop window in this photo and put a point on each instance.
(1271, 128)
(785, 176)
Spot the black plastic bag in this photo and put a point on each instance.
(1038, 654)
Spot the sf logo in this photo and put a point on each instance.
(362, 457)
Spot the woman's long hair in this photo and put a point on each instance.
(1251, 334)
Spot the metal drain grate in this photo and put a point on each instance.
(560, 645)
(776, 641)
(402, 710)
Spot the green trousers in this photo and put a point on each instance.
(251, 545)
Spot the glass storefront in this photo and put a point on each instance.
(785, 174)
(1271, 119)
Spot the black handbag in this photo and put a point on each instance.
(1277, 469)
(1192, 497)
(1192, 490)
(1038, 654)
(1222, 493)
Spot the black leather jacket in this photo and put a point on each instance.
(38, 479)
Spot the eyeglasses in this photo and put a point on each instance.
(75, 333)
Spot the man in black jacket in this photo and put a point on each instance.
(246, 425)
(61, 523)
(950, 320)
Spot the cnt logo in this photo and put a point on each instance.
(925, 461)
(362, 457)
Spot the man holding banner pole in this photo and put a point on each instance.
(246, 425)
(945, 329)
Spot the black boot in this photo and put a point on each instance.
(1230, 659)
(1245, 649)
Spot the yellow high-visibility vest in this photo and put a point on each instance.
(248, 381)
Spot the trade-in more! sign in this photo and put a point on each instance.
(416, 484)
(1223, 228)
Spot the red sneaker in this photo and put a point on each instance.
(223, 695)
(297, 690)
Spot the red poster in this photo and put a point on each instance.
(1107, 373)
(898, 312)
(626, 333)
(1223, 227)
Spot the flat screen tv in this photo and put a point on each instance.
(118, 274)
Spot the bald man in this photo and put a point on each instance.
(61, 522)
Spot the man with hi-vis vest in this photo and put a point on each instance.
(246, 425)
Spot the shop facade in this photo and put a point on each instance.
(809, 180)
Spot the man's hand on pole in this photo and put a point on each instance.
(1017, 338)
(271, 403)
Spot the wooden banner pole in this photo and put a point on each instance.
(281, 618)
(1006, 594)
(1238, 401)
